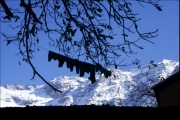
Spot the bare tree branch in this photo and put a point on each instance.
(91, 21)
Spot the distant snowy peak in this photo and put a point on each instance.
(113, 90)
(18, 86)
(170, 63)
(170, 67)
(164, 68)
(166, 61)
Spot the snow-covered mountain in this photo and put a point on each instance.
(121, 89)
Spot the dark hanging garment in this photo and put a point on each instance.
(106, 73)
(77, 64)
(87, 67)
(92, 74)
(61, 60)
(103, 70)
(73, 64)
(69, 63)
(92, 71)
(82, 66)
(98, 67)
(52, 55)
(56, 56)
(93, 80)
(109, 73)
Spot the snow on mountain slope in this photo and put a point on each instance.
(18, 95)
(116, 90)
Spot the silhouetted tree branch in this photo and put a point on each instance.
(141, 93)
(92, 21)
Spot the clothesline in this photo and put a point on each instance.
(41, 47)
(81, 67)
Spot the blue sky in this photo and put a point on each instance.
(166, 46)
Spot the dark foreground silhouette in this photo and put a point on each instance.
(90, 112)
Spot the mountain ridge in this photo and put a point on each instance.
(115, 90)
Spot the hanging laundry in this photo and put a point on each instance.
(55, 56)
(98, 67)
(87, 67)
(106, 73)
(92, 73)
(81, 67)
(70, 63)
(52, 55)
(61, 60)
(77, 66)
